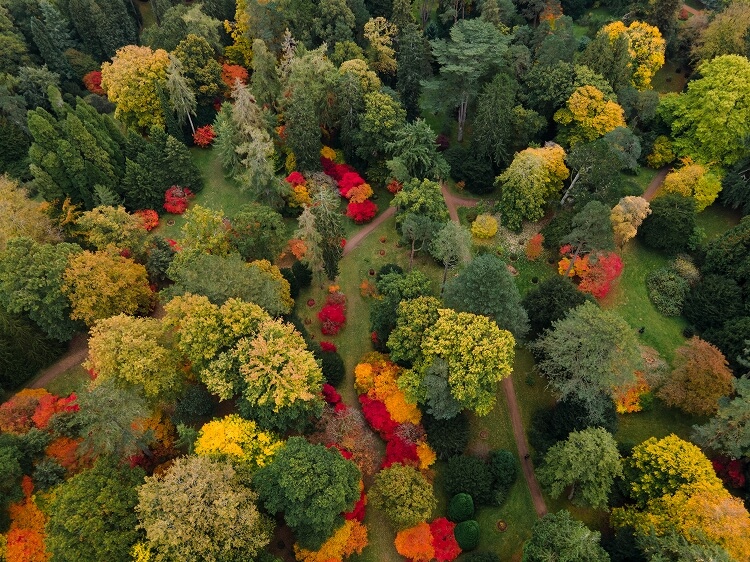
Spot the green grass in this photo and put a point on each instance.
(219, 193)
(716, 220)
(659, 422)
(630, 299)
(695, 4)
(643, 177)
(667, 79)
(71, 380)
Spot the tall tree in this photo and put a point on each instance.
(199, 67)
(329, 224)
(493, 124)
(413, 60)
(587, 353)
(422, 198)
(475, 51)
(486, 287)
(103, 25)
(264, 82)
(588, 115)
(728, 432)
(415, 153)
(450, 246)
(550, 301)
(311, 485)
(557, 536)
(591, 231)
(588, 462)
(181, 96)
(627, 216)
(404, 495)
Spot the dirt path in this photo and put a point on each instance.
(76, 354)
(690, 10)
(355, 240)
(655, 184)
(514, 410)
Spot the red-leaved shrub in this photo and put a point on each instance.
(534, 246)
(362, 212)
(93, 82)
(49, 405)
(358, 512)
(330, 395)
(443, 540)
(394, 186)
(149, 218)
(295, 179)
(328, 347)
(332, 317)
(204, 136)
(377, 417)
(399, 451)
(176, 199)
(600, 275)
(348, 181)
(731, 471)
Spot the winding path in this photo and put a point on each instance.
(453, 201)
(78, 349)
(355, 240)
(655, 183)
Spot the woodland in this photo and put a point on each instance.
(374, 280)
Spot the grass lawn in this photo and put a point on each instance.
(71, 380)
(643, 177)
(659, 422)
(716, 220)
(629, 298)
(667, 79)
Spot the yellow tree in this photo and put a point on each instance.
(23, 217)
(132, 81)
(241, 50)
(627, 216)
(588, 115)
(103, 284)
(646, 48)
(105, 225)
(380, 33)
(693, 180)
(134, 352)
(237, 440)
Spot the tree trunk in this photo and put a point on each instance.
(445, 276)
(411, 255)
(572, 491)
(572, 183)
(462, 109)
(190, 120)
(572, 261)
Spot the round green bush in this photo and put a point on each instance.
(461, 508)
(447, 438)
(503, 467)
(467, 534)
(667, 291)
(469, 475)
(333, 367)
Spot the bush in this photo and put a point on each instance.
(333, 367)
(667, 291)
(48, 473)
(332, 317)
(685, 268)
(362, 212)
(386, 269)
(447, 438)
(461, 508)
(485, 226)
(503, 467)
(196, 402)
(467, 534)
(469, 475)
(712, 301)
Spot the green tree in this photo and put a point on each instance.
(200, 508)
(478, 355)
(591, 231)
(531, 179)
(378, 125)
(134, 352)
(200, 68)
(550, 301)
(587, 353)
(204, 231)
(13, 46)
(182, 20)
(588, 462)
(725, 34)
(311, 485)
(52, 53)
(475, 51)
(413, 318)
(264, 82)
(413, 60)
(494, 125)
(735, 190)
(557, 536)
(31, 283)
(486, 287)
(417, 231)
(104, 26)
(728, 432)
(330, 225)
(404, 495)
(422, 198)
(258, 232)
(710, 121)
(415, 153)
(113, 226)
(450, 246)
(670, 225)
(334, 22)
(92, 514)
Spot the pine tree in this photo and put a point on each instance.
(51, 53)
(181, 96)
(329, 224)
(413, 67)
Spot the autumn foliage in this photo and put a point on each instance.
(415, 543)
(443, 541)
(149, 218)
(230, 73)
(16, 414)
(534, 247)
(594, 273)
(628, 398)
(93, 82)
(176, 199)
(204, 136)
(362, 212)
(333, 314)
(25, 540)
(350, 538)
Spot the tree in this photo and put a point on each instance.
(205, 231)
(486, 287)
(92, 514)
(413, 66)
(238, 441)
(591, 231)
(700, 378)
(101, 284)
(311, 241)
(693, 180)
(258, 232)
(588, 116)
(113, 226)
(282, 380)
(451, 246)
(199, 67)
(403, 494)
(557, 536)
(494, 127)
(735, 191)
(531, 179)
(31, 283)
(50, 49)
(478, 355)
(312, 486)
(182, 20)
(223, 278)
(103, 26)
(710, 121)
(134, 352)
(417, 229)
(728, 432)
(382, 118)
(587, 353)
(670, 225)
(713, 301)
(131, 81)
(550, 301)
(588, 462)
(110, 421)
(334, 22)
(725, 34)
(264, 82)
(415, 153)
(181, 95)
(627, 216)
(200, 507)
(413, 317)
(420, 197)
(330, 226)
(475, 50)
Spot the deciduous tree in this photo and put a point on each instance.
(627, 216)
(450, 246)
(588, 116)
(404, 495)
(558, 536)
(693, 180)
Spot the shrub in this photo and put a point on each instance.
(204, 136)
(231, 72)
(467, 534)
(503, 467)
(415, 543)
(559, 227)
(461, 508)
(670, 225)
(332, 317)
(534, 246)
(176, 199)
(662, 153)
(444, 540)
(149, 218)
(93, 82)
(48, 473)
(469, 475)
(667, 291)
(685, 268)
(386, 269)
(361, 212)
(485, 226)
(348, 181)
(333, 367)
(713, 301)
(449, 437)
(403, 494)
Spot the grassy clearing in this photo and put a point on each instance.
(659, 422)
(643, 177)
(668, 79)
(716, 220)
(71, 380)
(630, 299)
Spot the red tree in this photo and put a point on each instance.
(362, 212)
(204, 136)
